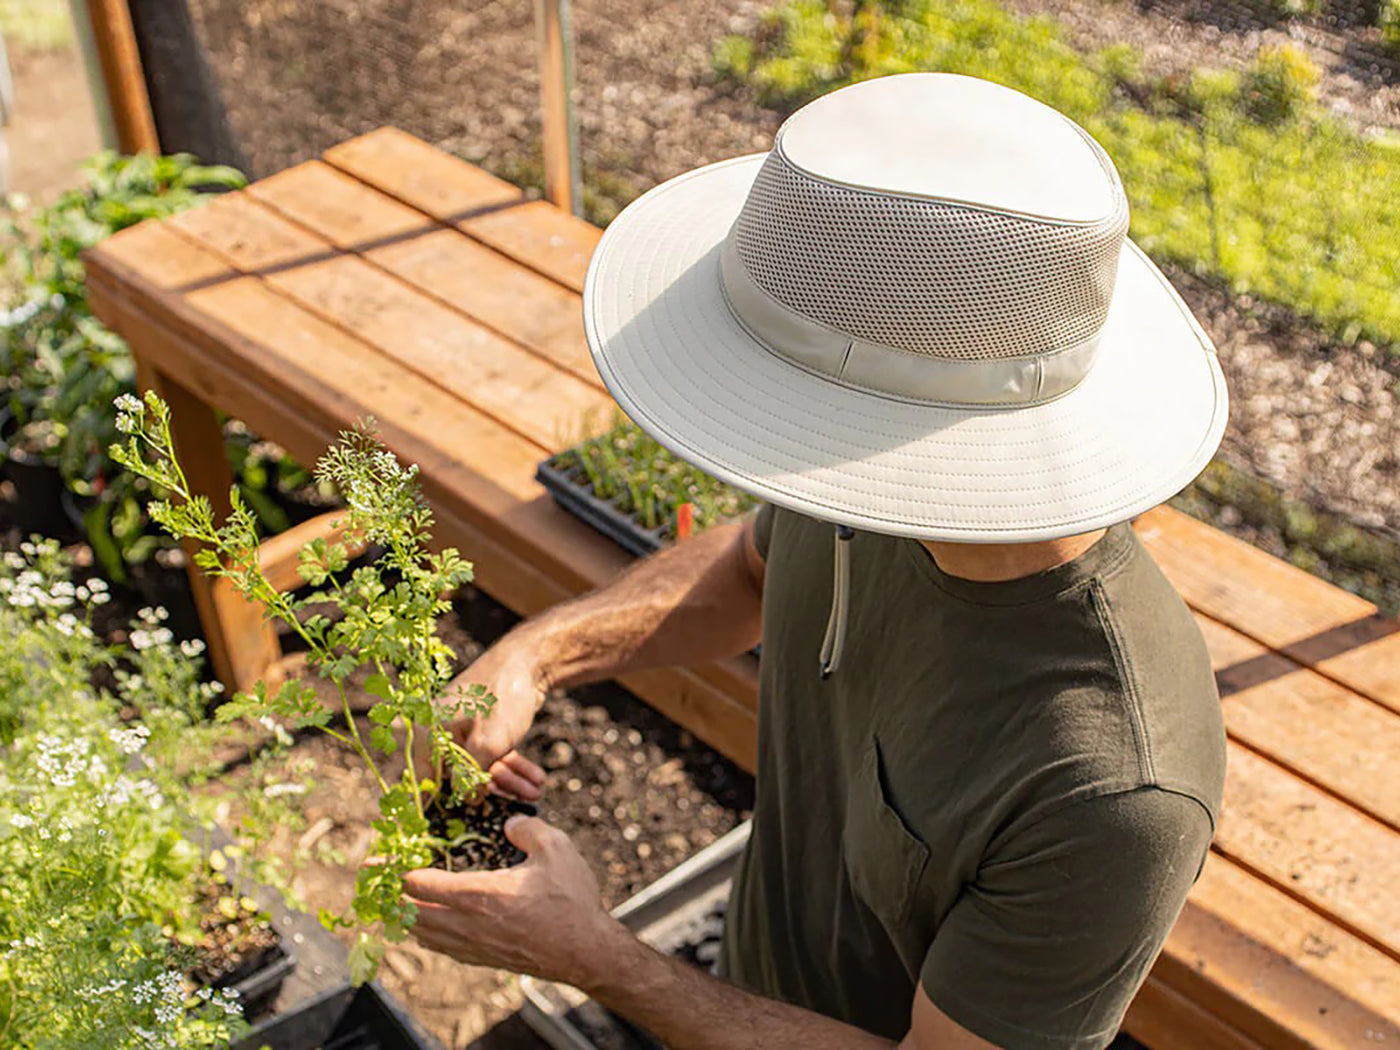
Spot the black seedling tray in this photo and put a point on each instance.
(675, 914)
(258, 981)
(573, 492)
(342, 1018)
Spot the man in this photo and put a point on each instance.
(990, 749)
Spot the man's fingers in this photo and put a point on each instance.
(435, 886)
(510, 784)
(533, 834)
(523, 767)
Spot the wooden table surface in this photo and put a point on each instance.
(392, 280)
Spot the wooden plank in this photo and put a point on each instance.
(514, 387)
(542, 237)
(488, 287)
(1316, 728)
(1283, 607)
(1335, 859)
(1274, 970)
(419, 175)
(123, 76)
(1164, 1019)
(536, 234)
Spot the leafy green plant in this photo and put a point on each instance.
(1297, 212)
(62, 367)
(1279, 85)
(1388, 18)
(627, 467)
(106, 884)
(388, 612)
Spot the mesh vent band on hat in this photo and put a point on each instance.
(924, 276)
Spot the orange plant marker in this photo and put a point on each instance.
(685, 521)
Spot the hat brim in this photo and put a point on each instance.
(1135, 431)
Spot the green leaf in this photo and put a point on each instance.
(365, 955)
(378, 685)
(384, 739)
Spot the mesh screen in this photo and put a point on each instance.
(924, 276)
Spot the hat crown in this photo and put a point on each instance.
(936, 215)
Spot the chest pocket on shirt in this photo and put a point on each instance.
(884, 859)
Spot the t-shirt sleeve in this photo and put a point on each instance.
(763, 529)
(1045, 950)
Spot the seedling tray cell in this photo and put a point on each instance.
(672, 914)
(572, 492)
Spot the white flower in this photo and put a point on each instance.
(278, 790)
(130, 740)
(192, 647)
(129, 403)
(21, 820)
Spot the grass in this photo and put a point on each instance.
(642, 479)
(1237, 176)
(41, 25)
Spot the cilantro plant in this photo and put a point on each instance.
(387, 620)
(105, 880)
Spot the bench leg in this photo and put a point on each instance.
(242, 647)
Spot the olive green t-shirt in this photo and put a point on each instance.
(1003, 793)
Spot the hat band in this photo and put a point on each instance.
(887, 370)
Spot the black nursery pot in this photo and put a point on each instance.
(490, 849)
(259, 979)
(38, 486)
(341, 1019)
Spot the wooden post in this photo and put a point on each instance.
(242, 647)
(114, 40)
(558, 130)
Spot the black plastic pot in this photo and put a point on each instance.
(571, 490)
(342, 1018)
(259, 979)
(38, 486)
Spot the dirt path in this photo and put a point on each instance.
(53, 128)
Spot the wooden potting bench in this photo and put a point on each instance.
(390, 279)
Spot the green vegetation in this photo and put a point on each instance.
(1240, 177)
(388, 611)
(37, 24)
(1388, 18)
(642, 479)
(106, 885)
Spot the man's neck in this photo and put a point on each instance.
(997, 562)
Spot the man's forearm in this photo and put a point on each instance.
(687, 1009)
(693, 602)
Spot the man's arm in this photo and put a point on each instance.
(696, 601)
(693, 602)
(545, 917)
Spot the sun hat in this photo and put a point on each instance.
(918, 314)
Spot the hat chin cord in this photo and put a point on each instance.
(834, 644)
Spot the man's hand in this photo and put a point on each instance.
(543, 917)
(509, 673)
